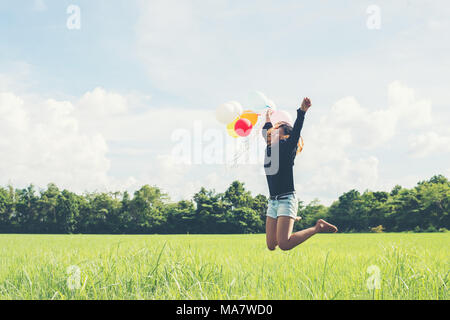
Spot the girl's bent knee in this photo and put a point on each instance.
(284, 246)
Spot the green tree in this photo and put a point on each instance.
(422, 208)
(47, 208)
(311, 213)
(147, 210)
(237, 196)
(405, 214)
(345, 212)
(67, 212)
(210, 209)
(27, 217)
(180, 217)
(434, 196)
(244, 220)
(7, 209)
(259, 204)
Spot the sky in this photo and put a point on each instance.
(112, 95)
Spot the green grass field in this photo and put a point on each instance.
(411, 266)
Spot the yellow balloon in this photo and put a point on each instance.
(230, 128)
(251, 116)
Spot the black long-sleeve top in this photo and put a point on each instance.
(279, 158)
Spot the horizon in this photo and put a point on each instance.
(131, 194)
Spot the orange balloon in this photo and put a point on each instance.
(251, 116)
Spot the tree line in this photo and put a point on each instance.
(423, 208)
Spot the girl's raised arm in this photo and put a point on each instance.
(298, 125)
(268, 125)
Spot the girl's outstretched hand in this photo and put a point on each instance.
(268, 114)
(306, 104)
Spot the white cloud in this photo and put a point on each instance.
(361, 126)
(341, 176)
(15, 76)
(331, 162)
(349, 123)
(99, 103)
(222, 50)
(126, 118)
(12, 114)
(48, 140)
(403, 104)
(75, 144)
(217, 50)
(172, 177)
(41, 143)
(427, 144)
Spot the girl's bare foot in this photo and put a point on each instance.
(323, 226)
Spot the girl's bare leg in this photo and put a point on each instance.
(287, 240)
(271, 233)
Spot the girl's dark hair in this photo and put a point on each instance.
(287, 128)
(287, 131)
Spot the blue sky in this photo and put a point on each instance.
(73, 62)
(115, 90)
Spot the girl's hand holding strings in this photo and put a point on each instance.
(268, 114)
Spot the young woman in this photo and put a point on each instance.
(282, 145)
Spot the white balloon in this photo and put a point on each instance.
(269, 103)
(237, 108)
(280, 115)
(225, 113)
(228, 112)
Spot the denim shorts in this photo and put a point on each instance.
(285, 207)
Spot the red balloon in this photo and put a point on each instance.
(243, 127)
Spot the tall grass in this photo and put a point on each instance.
(412, 266)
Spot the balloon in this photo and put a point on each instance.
(281, 115)
(237, 107)
(228, 112)
(230, 128)
(250, 115)
(243, 127)
(269, 103)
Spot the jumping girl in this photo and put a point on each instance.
(282, 145)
